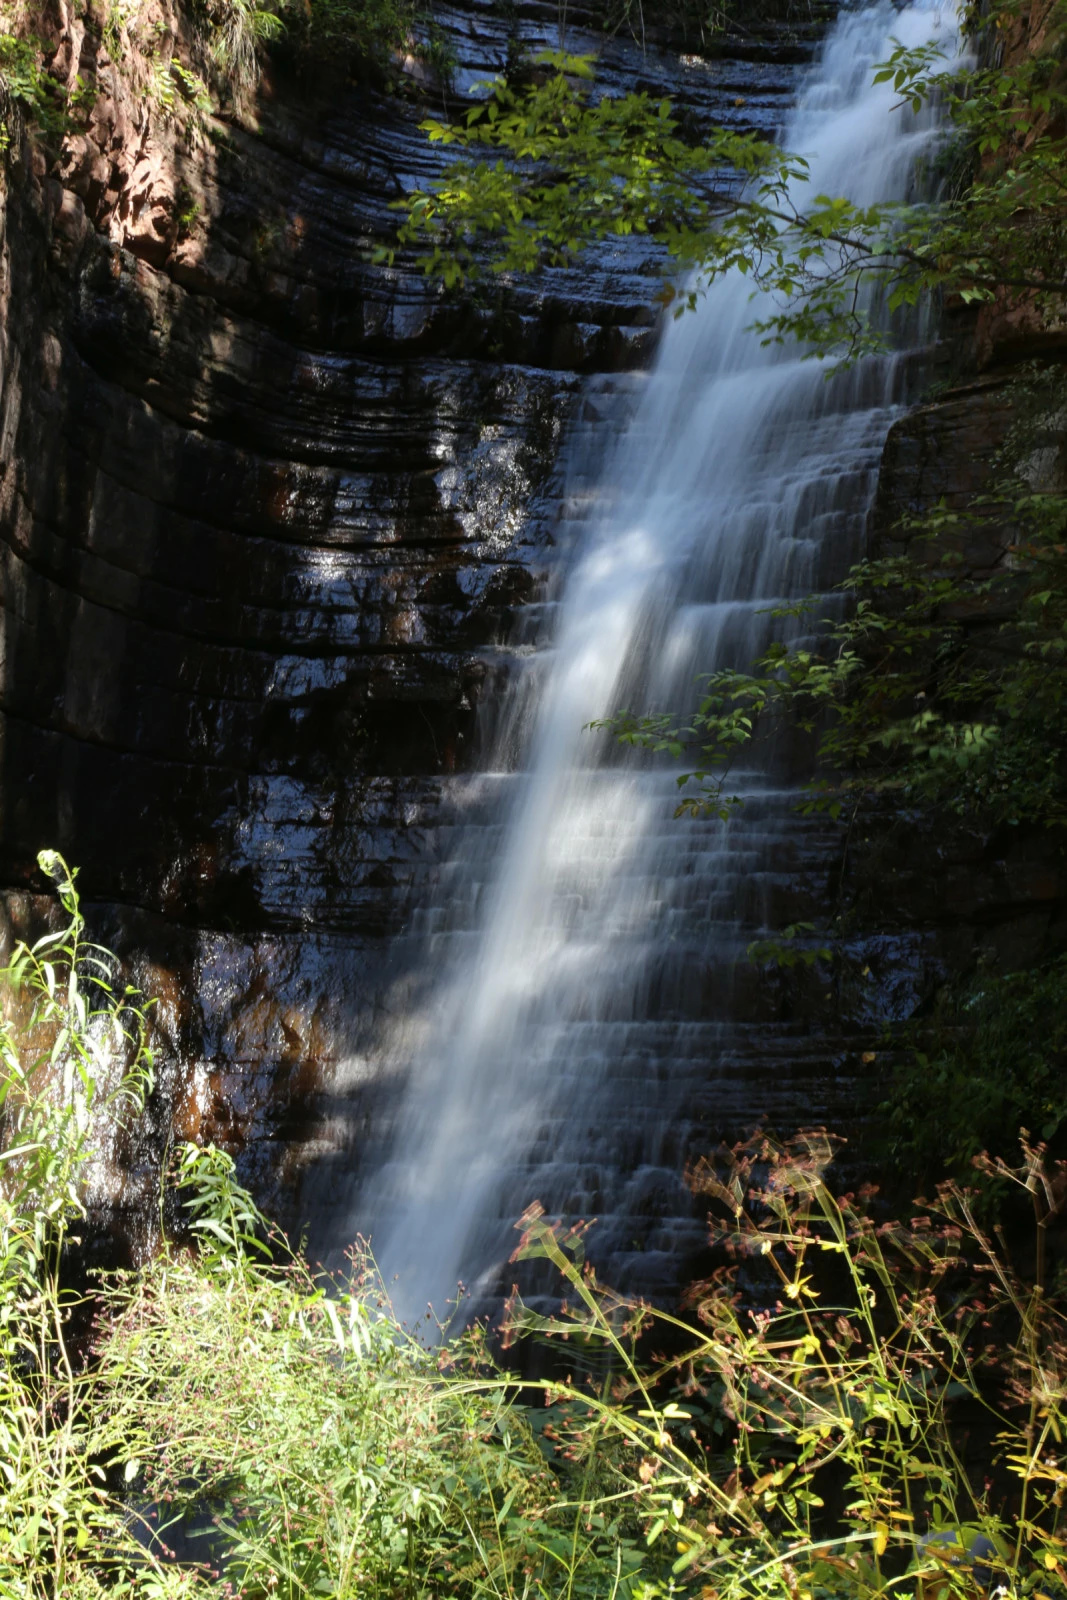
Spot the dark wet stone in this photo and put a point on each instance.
(268, 511)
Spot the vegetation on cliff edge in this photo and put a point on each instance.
(547, 168)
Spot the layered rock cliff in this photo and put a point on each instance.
(266, 510)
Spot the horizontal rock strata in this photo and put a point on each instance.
(267, 510)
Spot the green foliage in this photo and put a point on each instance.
(942, 691)
(171, 86)
(942, 685)
(815, 1446)
(120, 20)
(187, 208)
(335, 1453)
(21, 72)
(991, 1061)
(549, 169)
(572, 170)
(378, 26)
(381, 24)
(191, 87)
(237, 30)
(1006, 230)
(74, 1059)
(234, 34)
(25, 84)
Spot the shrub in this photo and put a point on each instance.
(26, 90)
(327, 1449)
(867, 1409)
(236, 31)
(73, 1055)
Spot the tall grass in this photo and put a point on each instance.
(866, 1408)
(74, 1060)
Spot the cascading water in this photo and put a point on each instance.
(592, 1011)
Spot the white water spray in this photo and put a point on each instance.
(594, 957)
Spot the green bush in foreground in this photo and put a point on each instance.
(328, 1451)
(880, 1410)
(73, 1057)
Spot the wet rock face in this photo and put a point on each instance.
(265, 509)
(963, 896)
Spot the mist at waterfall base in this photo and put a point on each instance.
(591, 1021)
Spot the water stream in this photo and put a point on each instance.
(592, 1016)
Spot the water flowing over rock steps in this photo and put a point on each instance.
(573, 1014)
(267, 510)
(279, 534)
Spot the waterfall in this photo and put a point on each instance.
(591, 1013)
